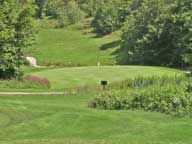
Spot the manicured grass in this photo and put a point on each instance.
(82, 76)
(73, 48)
(68, 120)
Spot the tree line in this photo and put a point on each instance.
(154, 32)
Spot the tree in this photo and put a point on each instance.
(66, 12)
(110, 16)
(158, 33)
(89, 6)
(70, 13)
(15, 35)
(40, 4)
(106, 18)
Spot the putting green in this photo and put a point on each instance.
(81, 76)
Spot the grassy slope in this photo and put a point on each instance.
(67, 120)
(72, 47)
(82, 76)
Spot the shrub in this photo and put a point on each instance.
(168, 99)
(29, 82)
(112, 100)
(41, 81)
(169, 96)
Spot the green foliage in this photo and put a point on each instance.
(69, 14)
(155, 32)
(89, 6)
(170, 100)
(106, 18)
(187, 59)
(16, 31)
(109, 16)
(170, 96)
(65, 12)
(158, 33)
(189, 87)
(39, 10)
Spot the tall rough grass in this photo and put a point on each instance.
(144, 82)
(29, 82)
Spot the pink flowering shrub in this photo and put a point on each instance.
(41, 81)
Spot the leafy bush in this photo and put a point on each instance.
(170, 100)
(170, 97)
(112, 100)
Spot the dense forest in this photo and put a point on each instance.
(154, 32)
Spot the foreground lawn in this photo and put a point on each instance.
(73, 48)
(68, 120)
(82, 76)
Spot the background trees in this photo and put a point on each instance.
(158, 33)
(106, 19)
(66, 12)
(110, 16)
(155, 32)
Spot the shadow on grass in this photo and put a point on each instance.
(110, 45)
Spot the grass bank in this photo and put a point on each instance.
(74, 48)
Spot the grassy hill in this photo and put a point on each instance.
(67, 119)
(82, 76)
(74, 48)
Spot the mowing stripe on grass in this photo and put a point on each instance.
(35, 93)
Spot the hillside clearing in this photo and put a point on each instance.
(74, 48)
